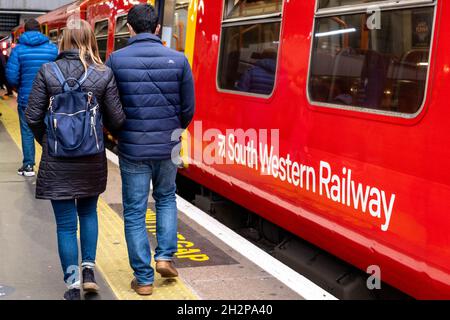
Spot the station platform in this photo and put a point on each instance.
(209, 267)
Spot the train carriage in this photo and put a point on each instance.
(360, 167)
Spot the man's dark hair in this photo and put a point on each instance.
(32, 25)
(143, 18)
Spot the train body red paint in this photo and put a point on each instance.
(405, 157)
(401, 161)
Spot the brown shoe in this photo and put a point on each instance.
(166, 269)
(143, 290)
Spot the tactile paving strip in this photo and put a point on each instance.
(112, 260)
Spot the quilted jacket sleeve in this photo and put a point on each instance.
(37, 106)
(13, 68)
(114, 116)
(187, 96)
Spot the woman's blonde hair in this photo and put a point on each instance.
(79, 35)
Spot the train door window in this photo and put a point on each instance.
(249, 46)
(53, 35)
(369, 65)
(101, 34)
(175, 24)
(122, 33)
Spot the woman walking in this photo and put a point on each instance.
(73, 184)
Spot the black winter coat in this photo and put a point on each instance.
(74, 178)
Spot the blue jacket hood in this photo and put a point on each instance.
(33, 38)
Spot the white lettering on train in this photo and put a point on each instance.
(337, 186)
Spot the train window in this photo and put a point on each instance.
(249, 48)
(101, 34)
(121, 34)
(368, 68)
(246, 8)
(53, 36)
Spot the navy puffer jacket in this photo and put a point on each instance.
(157, 93)
(34, 49)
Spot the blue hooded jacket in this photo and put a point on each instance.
(157, 92)
(34, 50)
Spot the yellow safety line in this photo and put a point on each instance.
(112, 254)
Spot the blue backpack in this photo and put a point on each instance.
(74, 122)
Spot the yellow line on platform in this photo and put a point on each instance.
(112, 254)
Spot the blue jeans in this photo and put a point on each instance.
(136, 177)
(66, 214)
(28, 149)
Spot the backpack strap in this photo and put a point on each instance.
(86, 74)
(60, 76)
(63, 80)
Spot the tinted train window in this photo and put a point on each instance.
(383, 69)
(249, 48)
(101, 34)
(122, 33)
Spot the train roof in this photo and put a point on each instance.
(60, 13)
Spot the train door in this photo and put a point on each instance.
(174, 23)
(173, 18)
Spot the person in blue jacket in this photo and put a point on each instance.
(157, 93)
(34, 49)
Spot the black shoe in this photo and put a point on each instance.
(89, 283)
(72, 294)
(27, 171)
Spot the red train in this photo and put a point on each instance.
(328, 118)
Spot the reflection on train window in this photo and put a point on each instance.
(249, 48)
(53, 36)
(101, 34)
(245, 8)
(122, 34)
(338, 3)
(179, 25)
(384, 69)
(249, 57)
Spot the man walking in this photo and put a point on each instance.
(157, 91)
(34, 49)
